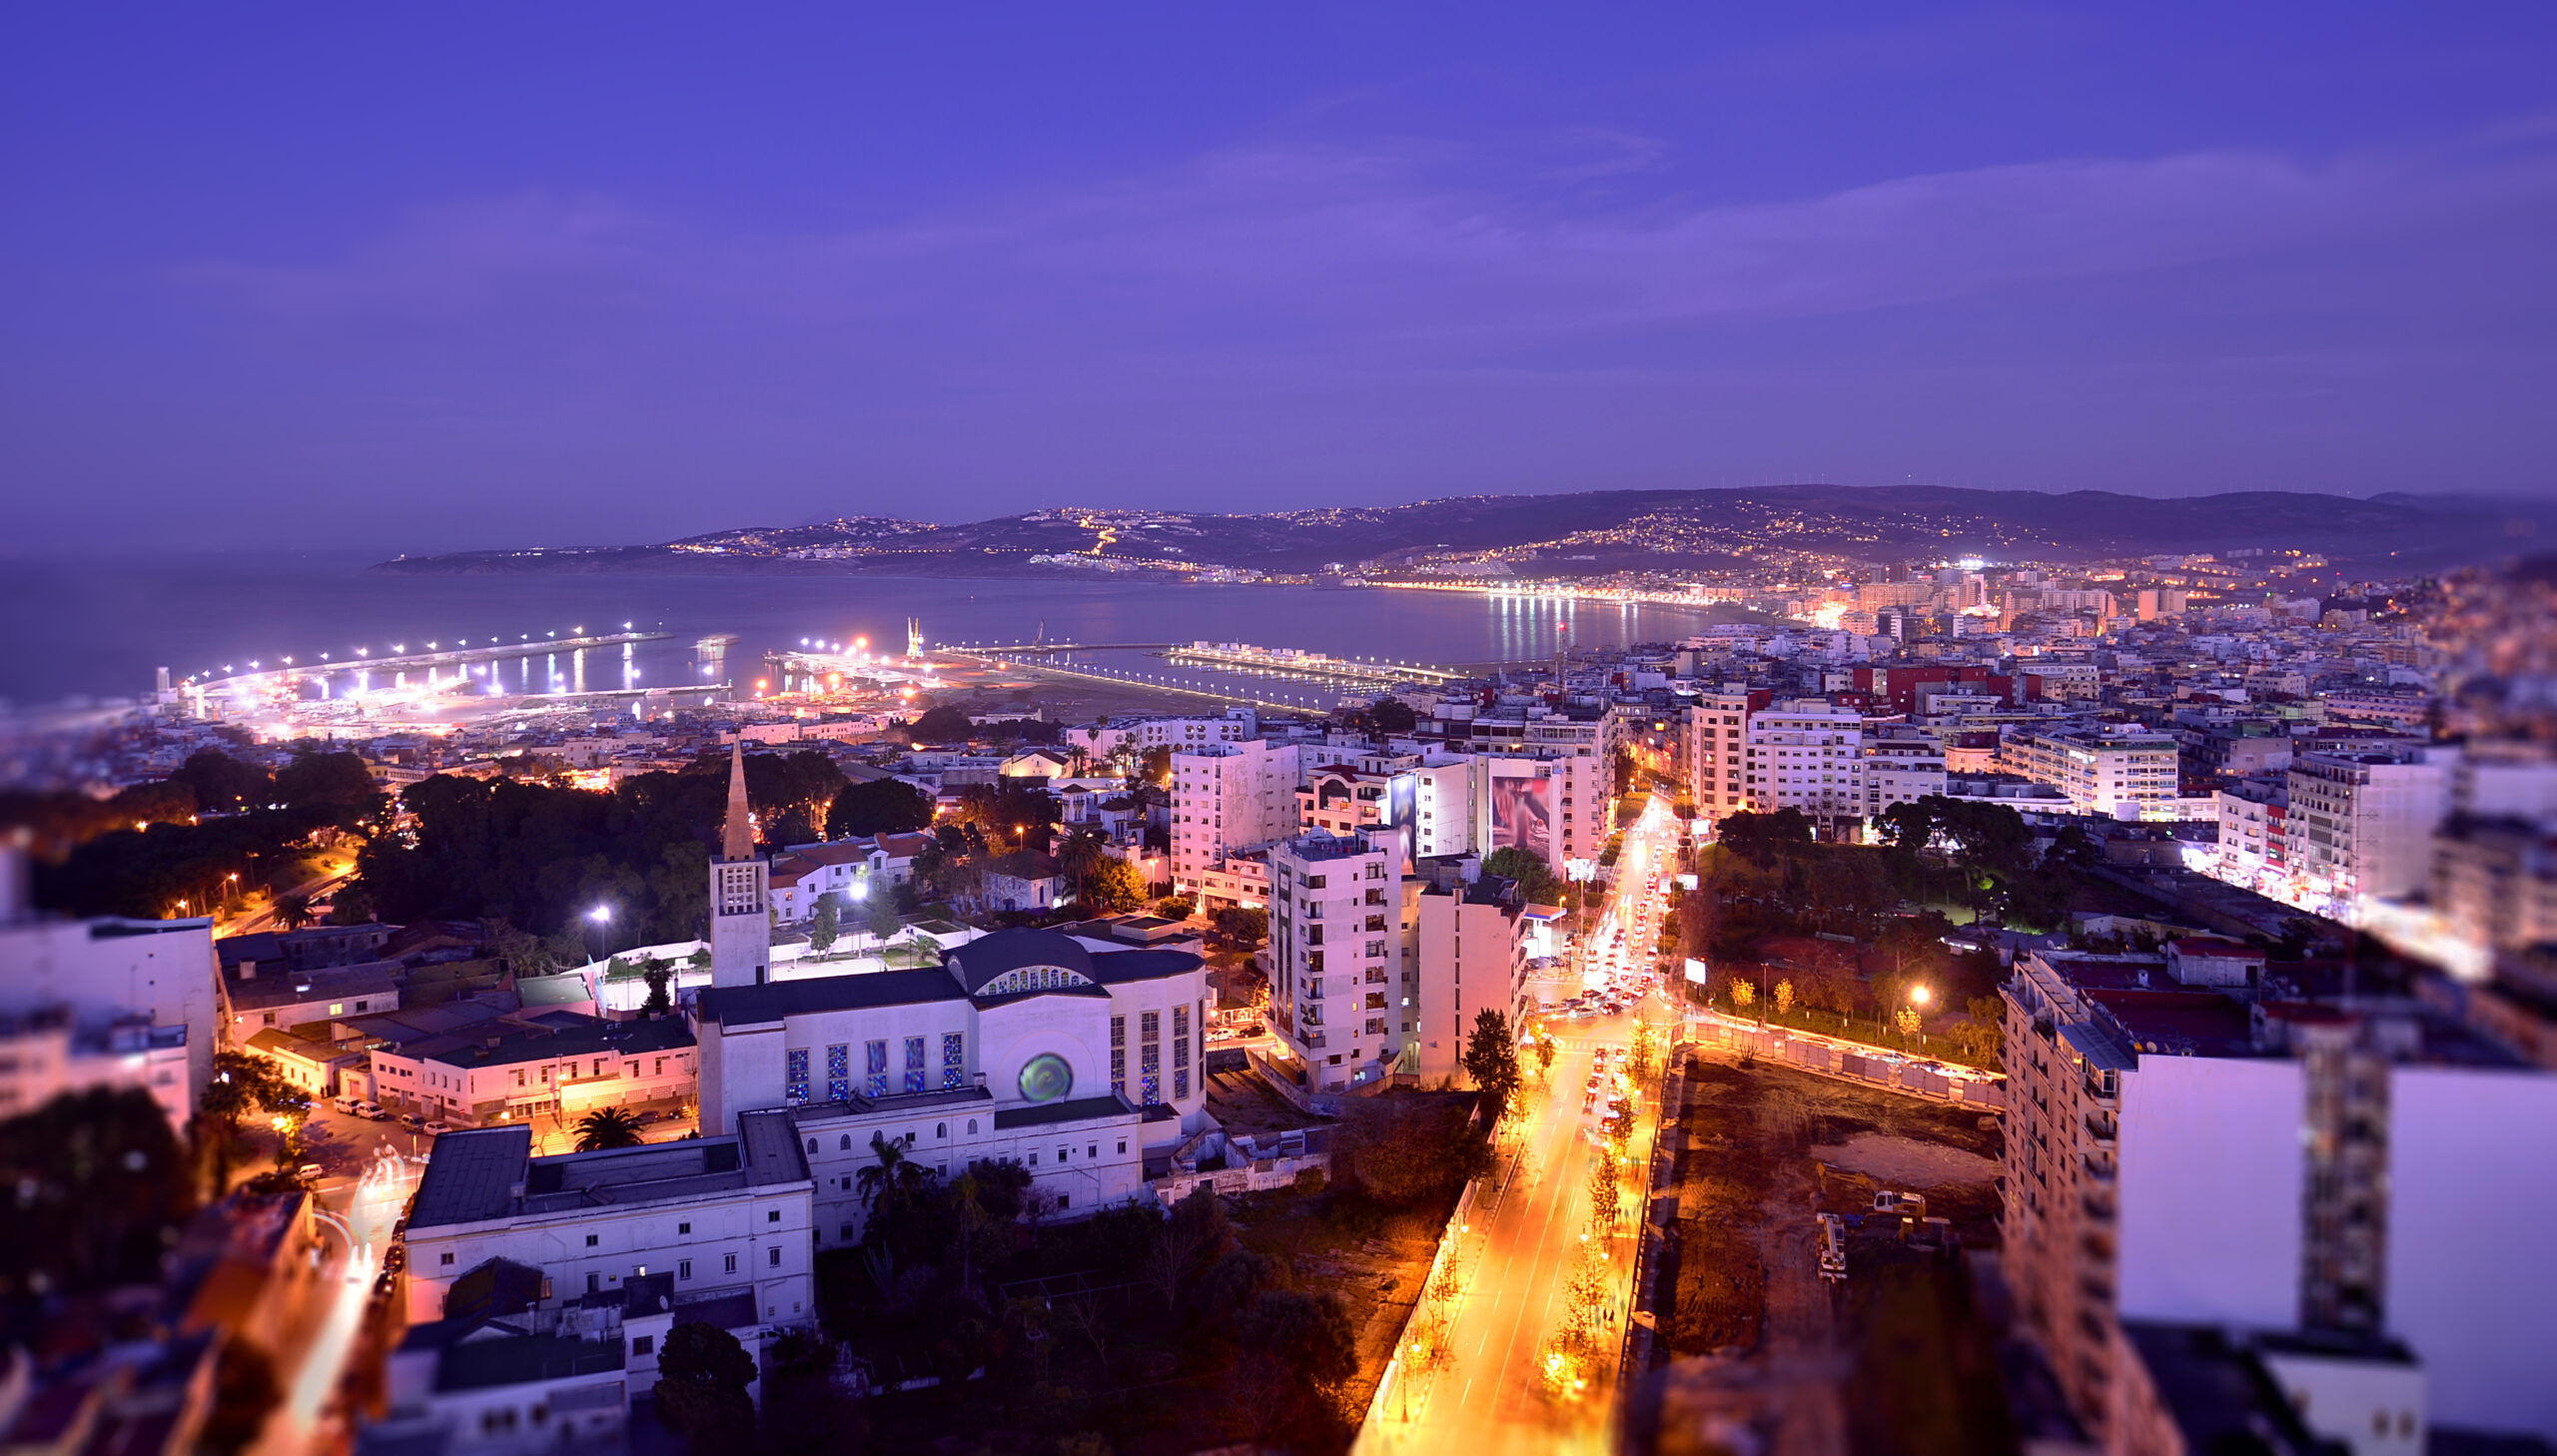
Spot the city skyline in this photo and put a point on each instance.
(636, 278)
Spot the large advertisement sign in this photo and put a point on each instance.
(1523, 815)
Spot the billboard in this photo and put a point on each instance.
(1695, 970)
(1523, 815)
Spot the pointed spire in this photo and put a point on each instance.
(738, 842)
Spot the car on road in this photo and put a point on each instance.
(344, 1104)
(413, 1121)
(438, 1128)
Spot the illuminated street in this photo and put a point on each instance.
(1497, 1391)
(357, 1240)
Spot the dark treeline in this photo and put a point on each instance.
(540, 856)
(181, 839)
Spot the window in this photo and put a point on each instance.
(972, 1127)
(846, 1233)
(874, 1065)
(954, 1059)
(794, 1078)
(1093, 1152)
(446, 1259)
(643, 1344)
(1118, 1056)
(591, 1240)
(595, 1283)
(772, 1216)
(683, 1228)
(940, 1130)
(772, 1257)
(913, 1063)
(732, 1263)
(839, 1071)
(812, 1148)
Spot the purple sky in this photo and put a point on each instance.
(422, 277)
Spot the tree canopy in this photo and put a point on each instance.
(1537, 880)
(878, 806)
(541, 857)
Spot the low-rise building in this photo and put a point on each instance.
(720, 1214)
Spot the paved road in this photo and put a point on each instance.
(1525, 1236)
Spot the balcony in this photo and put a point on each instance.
(2103, 1131)
(2099, 1167)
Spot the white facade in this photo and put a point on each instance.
(1472, 954)
(110, 973)
(717, 1212)
(1228, 796)
(1443, 806)
(1072, 1058)
(1716, 752)
(1807, 756)
(2362, 823)
(2122, 773)
(1335, 953)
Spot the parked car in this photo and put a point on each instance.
(413, 1121)
(438, 1128)
(372, 1111)
(310, 1172)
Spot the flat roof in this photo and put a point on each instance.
(1074, 1110)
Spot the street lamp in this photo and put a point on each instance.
(601, 914)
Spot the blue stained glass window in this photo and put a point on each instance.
(838, 1071)
(795, 1075)
(875, 1064)
(913, 1063)
(1149, 1063)
(954, 1058)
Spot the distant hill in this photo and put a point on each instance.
(1603, 531)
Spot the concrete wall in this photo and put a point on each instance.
(2212, 1184)
(2472, 1165)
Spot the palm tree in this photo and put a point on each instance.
(607, 1127)
(1077, 857)
(293, 910)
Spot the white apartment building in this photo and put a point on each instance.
(107, 983)
(1443, 793)
(1141, 735)
(2119, 770)
(1336, 987)
(2321, 1172)
(721, 1214)
(48, 1053)
(1472, 954)
(1805, 755)
(1901, 768)
(2254, 824)
(1568, 795)
(1342, 801)
(1716, 752)
(2361, 823)
(1228, 796)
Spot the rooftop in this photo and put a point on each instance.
(483, 1173)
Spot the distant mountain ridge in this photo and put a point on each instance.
(1600, 531)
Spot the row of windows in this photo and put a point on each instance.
(875, 1072)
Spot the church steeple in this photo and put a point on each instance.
(740, 892)
(737, 842)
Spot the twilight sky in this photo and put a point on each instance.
(466, 275)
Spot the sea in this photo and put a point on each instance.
(96, 630)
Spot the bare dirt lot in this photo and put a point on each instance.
(1760, 1343)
